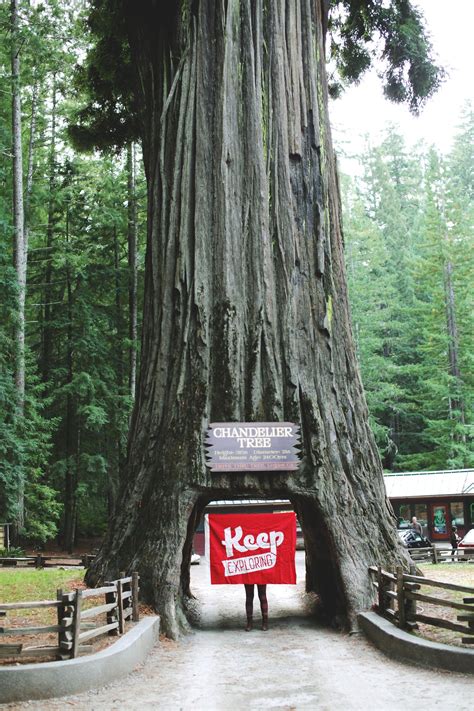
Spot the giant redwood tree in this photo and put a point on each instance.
(246, 315)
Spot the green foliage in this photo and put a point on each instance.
(11, 552)
(408, 227)
(108, 115)
(360, 32)
(393, 33)
(42, 510)
(65, 453)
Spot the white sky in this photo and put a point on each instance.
(363, 108)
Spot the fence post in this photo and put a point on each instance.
(76, 623)
(61, 615)
(135, 608)
(400, 598)
(435, 554)
(121, 626)
(380, 589)
(112, 614)
(411, 604)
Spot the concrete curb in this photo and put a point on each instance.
(407, 648)
(50, 679)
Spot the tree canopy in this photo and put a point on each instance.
(361, 34)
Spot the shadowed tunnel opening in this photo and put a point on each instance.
(317, 564)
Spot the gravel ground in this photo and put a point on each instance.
(297, 664)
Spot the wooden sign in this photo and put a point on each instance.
(252, 446)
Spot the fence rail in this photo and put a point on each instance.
(397, 598)
(441, 555)
(46, 561)
(75, 625)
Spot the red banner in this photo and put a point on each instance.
(252, 548)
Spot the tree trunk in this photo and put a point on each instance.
(19, 246)
(31, 157)
(132, 269)
(456, 402)
(47, 333)
(72, 431)
(119, 354)
(18, 207)
(246, 315)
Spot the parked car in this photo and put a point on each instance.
(412, 539)
(195, 559)
(468, 540)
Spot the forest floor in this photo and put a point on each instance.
(296, 664)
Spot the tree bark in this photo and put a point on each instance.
(246, 314)
(18, 207)
(31, 158)
(72, 428)
(132, 269)
(456, 402)
(19, 245)
(47, 332)
(119, 354)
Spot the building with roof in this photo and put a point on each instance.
(438, 499)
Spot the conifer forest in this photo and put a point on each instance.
(73, 214)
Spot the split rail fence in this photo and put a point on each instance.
(398, 595)
(440, 555)
(45, 561)
(75, 625)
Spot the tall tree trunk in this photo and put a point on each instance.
(113, 478)
(132, 268)
(118, 309)
(19, 246)
(47, 334)
(246, 314)
(18, 207)
(71, 425)
(456, 404)
(31, 158)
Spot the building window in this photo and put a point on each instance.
(404, 516)
(439, 519)
(457, 513)
(421, 513)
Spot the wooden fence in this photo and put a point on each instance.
(119, 603)
(46, 561)
(441, 555)
(398, 595)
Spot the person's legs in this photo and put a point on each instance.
(249, 589)
(262, 595)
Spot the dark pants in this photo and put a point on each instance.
(262, 596)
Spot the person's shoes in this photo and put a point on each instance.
(265, 624)
(249, 626)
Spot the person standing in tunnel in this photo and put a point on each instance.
(262, 596)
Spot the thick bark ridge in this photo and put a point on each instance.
(246, 312)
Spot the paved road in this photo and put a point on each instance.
(295, 665)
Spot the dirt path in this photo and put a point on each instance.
(295, 665)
